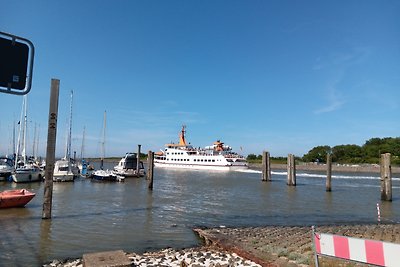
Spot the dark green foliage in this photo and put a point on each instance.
(317, 154)
(368, 153)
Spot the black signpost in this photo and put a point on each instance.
(16, 64)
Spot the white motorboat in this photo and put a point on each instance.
(127, 166)
(182, 155)
(63, 171)
(6, 168)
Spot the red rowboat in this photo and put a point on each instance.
(15, 198)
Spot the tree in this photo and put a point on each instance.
(317, 154)
(347, 154)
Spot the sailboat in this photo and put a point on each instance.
(25, 171)
(83, 165)
(64, 169)
(105, 175)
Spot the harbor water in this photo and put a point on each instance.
(93, 216)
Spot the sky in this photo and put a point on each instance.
(278, 76)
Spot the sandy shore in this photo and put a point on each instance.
(370, 168)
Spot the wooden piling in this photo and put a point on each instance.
(150, 164)
(291, 170)
(266, 167)
(51, 149)
(138, 161)
(386, 177)
(328, 172)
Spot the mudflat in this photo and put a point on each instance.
(370, 168)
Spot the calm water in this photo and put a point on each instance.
(91, 217)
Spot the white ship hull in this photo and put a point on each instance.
(199, 167)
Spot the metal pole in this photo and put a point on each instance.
(138, 161)
(51, 149)
(314, 248)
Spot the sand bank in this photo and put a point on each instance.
(370, 168)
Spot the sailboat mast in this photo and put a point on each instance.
(103, 152)
(13, 144)
(70, 128)
(37, 144)
(83, 143)
(34, 142)
(18, 147)
(24, 130)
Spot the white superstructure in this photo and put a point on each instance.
(127, 166)
(183, 155)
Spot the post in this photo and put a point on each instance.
(51, 149)
(328, 172)
(291, 170)
(266, 167)
(150, 164)
(138, 161)
(386, 177)
(313, 236)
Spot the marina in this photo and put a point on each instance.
(91, 217)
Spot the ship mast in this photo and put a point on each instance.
(182, 141)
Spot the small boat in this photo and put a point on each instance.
(27, 173)
(63, 171)
(127, 166)
(25, 170)
(15, 198)
(6, 168)
(106, 176)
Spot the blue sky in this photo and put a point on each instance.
(281, 76)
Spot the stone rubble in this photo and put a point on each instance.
(191, 257)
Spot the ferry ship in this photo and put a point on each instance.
(183, 155)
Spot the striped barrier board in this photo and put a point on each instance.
(355, 249)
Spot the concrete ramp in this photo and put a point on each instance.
(116, 258)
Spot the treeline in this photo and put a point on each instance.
(368, 153)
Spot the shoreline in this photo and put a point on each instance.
(286, 246)
(370, 168)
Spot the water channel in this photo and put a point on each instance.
(91, 216)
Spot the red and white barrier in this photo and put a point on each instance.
(355, 249)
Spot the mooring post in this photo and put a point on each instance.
(138, 161)
(291, 170)
(386, 177)
(51, 149)
(266, 167)
(150, 163)
(328, 172)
